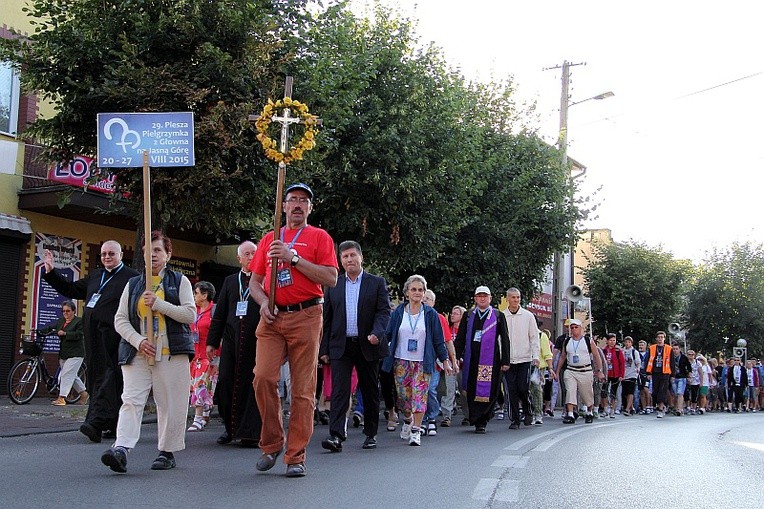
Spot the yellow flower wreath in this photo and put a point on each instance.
(307, 142)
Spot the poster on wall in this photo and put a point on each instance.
(46, 302)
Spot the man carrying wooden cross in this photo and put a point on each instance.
(305, 260)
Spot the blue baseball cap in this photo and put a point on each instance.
(300, 186)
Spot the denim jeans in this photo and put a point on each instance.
(433, 406)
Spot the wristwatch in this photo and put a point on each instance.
(295, 259)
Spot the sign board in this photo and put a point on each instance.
(167, 137)
(76, 173)
(46, 302)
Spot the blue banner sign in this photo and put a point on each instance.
(123, 137)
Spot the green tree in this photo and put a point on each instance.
(430, 173)
(395, 169)
(726, 301)
(422, 167)
(216, 58)
(635, 289)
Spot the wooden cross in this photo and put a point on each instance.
(285, 120)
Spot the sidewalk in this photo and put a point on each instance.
(39, 416)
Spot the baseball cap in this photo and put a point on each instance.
(575, 321)
(300, 186)
(482, 289)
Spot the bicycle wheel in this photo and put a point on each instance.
(74, 396)
(23, 381)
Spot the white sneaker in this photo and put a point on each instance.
(660, 415)
(406, 431)
(538, 420)
(431, 430)
(499, 416)
(415, 437)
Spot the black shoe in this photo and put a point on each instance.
(480, 430)
(356, 420)
(514, 425)
(116, 459)
(89, 431)
(225, 438)
(528, 420)
(165, 461)
(323, 417)
(589, 419)
(296, 470)
(267, 461)
(109, 435)
(333, 444)
(568, 419)
(369, 443)
(248, 443)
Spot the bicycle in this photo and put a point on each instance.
(27, 374)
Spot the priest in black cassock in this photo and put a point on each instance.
(234, 324)
(482, 345)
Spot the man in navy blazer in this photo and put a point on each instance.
(356, 313)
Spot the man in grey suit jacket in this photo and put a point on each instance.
(356, 313)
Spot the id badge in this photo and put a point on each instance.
(93, 300)
(241, 308)
(574, 359)
(478, 336)
(195, 337)
(284, 277)
(412, 345)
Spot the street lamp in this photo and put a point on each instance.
(558, 269)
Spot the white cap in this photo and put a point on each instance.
(482, 289)
(574, 321)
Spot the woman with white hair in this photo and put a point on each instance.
(416, 339)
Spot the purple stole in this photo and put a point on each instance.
(485, 361)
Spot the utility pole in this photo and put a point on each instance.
(558, 270)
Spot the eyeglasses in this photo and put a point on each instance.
(295, 199)
(109, 253)
(575, 326)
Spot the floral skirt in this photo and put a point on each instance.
(204, 378)
(412, 384)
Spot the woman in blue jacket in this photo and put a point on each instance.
(416, 338)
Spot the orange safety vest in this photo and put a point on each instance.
(666, 359)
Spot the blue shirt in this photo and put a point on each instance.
(352, 290)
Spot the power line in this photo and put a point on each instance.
(697, 92)
(720, 85)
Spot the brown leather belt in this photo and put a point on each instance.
(291, 308)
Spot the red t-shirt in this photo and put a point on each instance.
(201, 326)
(315, 245)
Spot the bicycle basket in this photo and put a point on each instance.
(30, 348)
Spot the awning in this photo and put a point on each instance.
(15, 223)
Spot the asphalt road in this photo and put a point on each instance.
(637, 462)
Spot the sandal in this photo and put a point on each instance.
(197, 425)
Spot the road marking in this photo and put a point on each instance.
(507, 461)
(516, 446)
(546, 444)
(485, 489)
(751, 445)
(507, 490)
